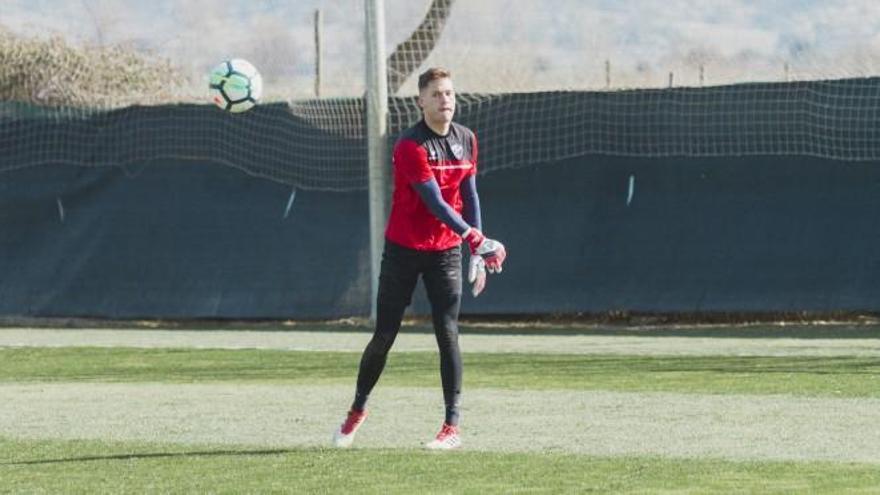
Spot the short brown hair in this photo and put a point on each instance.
(433, 74)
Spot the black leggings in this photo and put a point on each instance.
(441, 273)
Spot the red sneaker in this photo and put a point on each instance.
(344, 436)
(447, 439)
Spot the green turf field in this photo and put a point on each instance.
(838, 376)
(132, 467)
(117, 419)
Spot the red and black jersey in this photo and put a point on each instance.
(419, 155)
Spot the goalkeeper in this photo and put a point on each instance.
(434, 208)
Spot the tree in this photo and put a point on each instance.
(410, 54)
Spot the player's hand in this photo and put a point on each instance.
(477, 274)
(492, 251)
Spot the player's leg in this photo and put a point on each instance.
(397, 280)
(443, 281)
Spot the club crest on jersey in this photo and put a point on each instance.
(432, 154)
(457, 150)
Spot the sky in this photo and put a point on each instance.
(491, 45)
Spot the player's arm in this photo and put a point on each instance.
(429, 191)
(471, 202)
(411, 161)
(492, 251)
(485, 253)
(471, 213)
(489, 250)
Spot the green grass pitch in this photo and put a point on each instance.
(56, 453)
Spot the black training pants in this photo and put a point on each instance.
(441, 273)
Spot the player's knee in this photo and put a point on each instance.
(447, 337)
(380, 344)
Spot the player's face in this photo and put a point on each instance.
(438, 101)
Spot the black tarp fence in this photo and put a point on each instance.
(696, 216)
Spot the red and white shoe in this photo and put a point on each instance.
(344, 436)
(447, 439)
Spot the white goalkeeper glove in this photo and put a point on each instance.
(477, 274)
(492, 251)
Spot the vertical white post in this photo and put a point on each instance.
(319, 41)
(377, 138)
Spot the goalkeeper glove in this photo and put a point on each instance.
(492, 251)
(477, 274)
(474, 238)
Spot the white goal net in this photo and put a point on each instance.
(119, 82)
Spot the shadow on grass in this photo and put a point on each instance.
(154, 455)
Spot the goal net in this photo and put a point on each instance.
(120, 83)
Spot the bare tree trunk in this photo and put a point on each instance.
(410, 54)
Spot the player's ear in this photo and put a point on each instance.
(420, 102)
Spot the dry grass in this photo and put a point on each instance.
(56, 73)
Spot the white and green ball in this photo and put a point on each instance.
(236, 85)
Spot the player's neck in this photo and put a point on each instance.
(440, 128)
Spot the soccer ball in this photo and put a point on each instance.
(236, 86)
